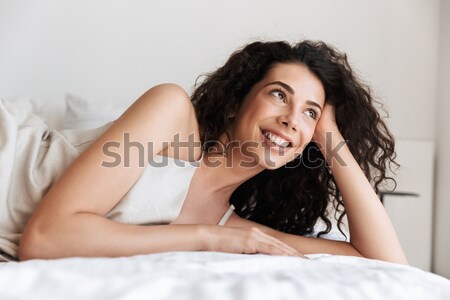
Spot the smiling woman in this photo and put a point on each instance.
(348, 133)
(276, 134)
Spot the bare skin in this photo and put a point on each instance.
(70, 219)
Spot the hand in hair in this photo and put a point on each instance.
(326, 123)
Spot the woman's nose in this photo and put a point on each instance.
(290, 121)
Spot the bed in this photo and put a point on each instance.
(207, 275)
(212, 275)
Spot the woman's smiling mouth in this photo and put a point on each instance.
(272, 139)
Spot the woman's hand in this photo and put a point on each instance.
(247, 240)
(327, 135)
(326, 123)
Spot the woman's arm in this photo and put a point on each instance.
(305, 245)
(70, 219)
(371, 231)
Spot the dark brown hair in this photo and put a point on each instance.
(293, 197)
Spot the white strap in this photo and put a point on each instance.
(226, 216)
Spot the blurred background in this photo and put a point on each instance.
(113, 51)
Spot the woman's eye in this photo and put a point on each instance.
(279, 95)
(312, 113)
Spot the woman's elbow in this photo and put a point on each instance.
(34, 244)
(29, 247)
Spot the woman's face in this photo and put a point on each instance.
(278, 116)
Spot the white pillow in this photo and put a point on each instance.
(86, 113)
(50, 113)
(26, 104)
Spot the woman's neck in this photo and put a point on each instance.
(222, 175)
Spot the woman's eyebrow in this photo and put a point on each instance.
(284, 85)
(313, 104)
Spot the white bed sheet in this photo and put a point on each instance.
(217, 276)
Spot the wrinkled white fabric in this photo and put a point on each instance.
(32, 157)
(219, 276)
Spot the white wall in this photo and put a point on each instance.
(441, 262)
(114, 50)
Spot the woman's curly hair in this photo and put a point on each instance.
(293, 197)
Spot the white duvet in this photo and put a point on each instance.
(216, 276)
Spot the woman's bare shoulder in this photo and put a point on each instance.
(186, 144)
(165, 97)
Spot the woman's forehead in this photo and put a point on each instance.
(297, 77)
(286, 70)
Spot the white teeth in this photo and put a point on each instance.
(276, 139)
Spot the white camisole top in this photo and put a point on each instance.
(158, 195)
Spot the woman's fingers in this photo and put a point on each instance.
(274, 245)
(248, 240)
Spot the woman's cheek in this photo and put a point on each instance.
(307, 133)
